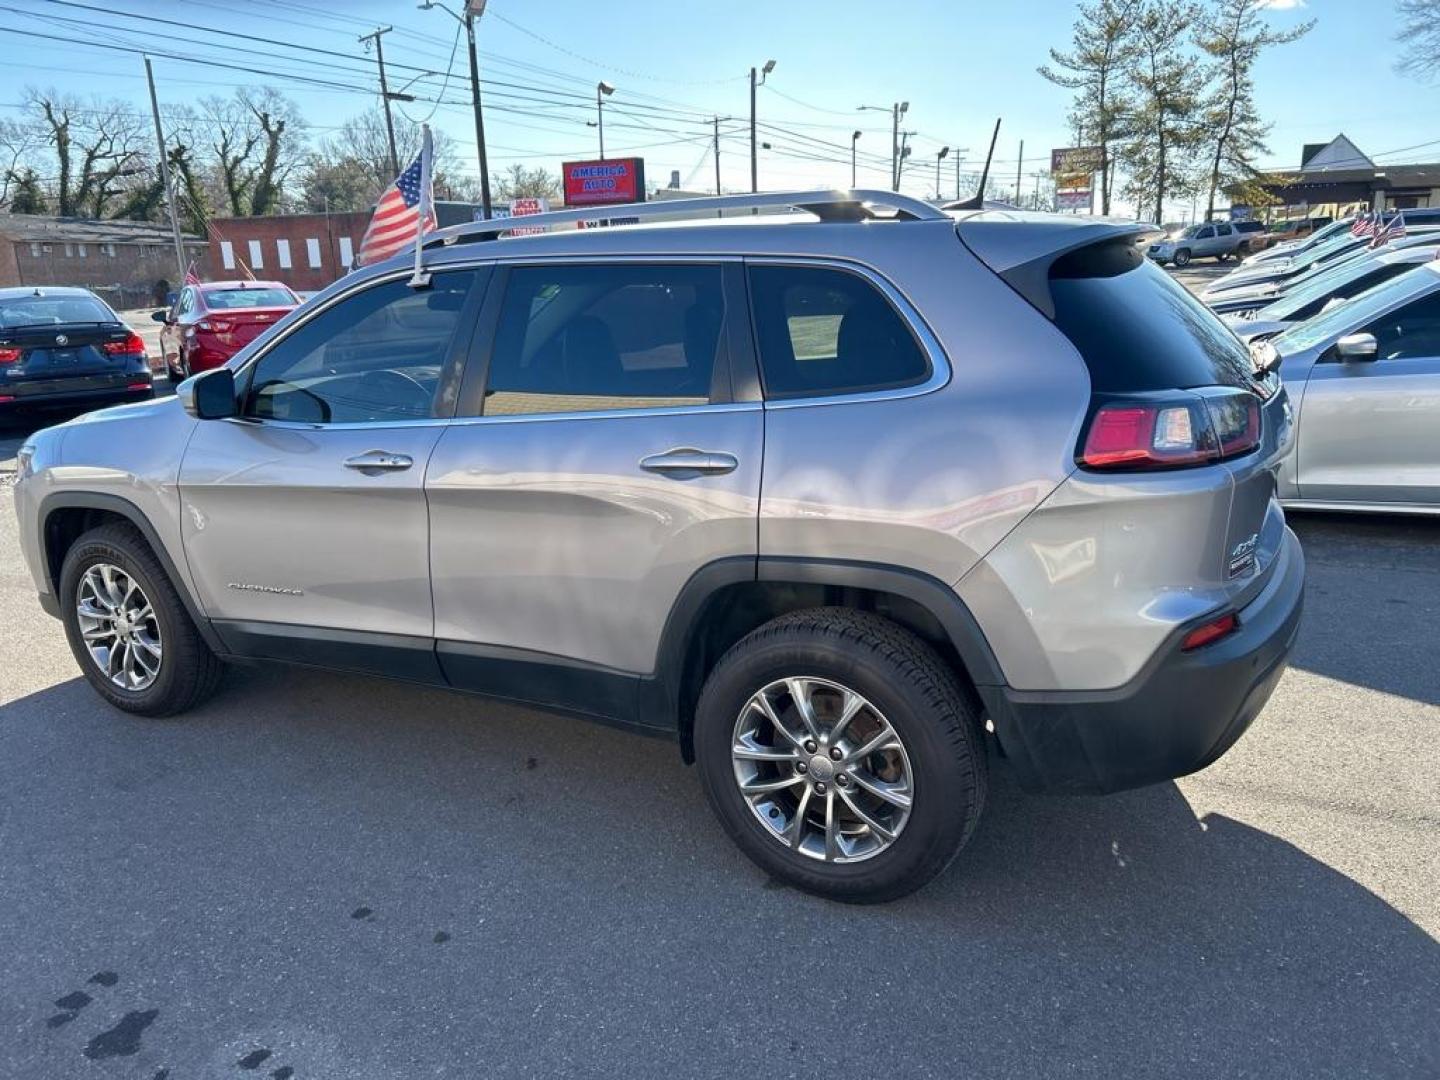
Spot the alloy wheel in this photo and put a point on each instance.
(822, 769)
(118, 625)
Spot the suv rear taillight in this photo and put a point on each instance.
(1171, 433)
(132, 343)
(9, 355)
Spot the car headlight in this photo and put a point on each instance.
(24, 462)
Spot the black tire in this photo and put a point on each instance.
(188, 673)
(918, 694)
(1182, 257)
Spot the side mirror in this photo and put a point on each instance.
(1357, 347)
(160, 316)
(209, 395)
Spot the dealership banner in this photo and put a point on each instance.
(604, 183)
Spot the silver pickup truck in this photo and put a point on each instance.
(1212, 239)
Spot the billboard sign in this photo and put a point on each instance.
(1073, 200)
(604, 183)
(526, 206)
(1068, 161)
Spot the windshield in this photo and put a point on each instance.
(53, 310)
(1357, 311)
(1318, 285)
(225, 299)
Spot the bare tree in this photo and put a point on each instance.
(20, 141)
(257, 141)
(97, 147)
(1419, 37)
(1159, 157)
(1233, 34)
(1102, 48)
(518, 182)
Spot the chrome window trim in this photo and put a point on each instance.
(611, 414)
(940, 371)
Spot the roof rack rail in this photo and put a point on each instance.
(826, 205)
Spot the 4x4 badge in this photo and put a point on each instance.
(1242, 556)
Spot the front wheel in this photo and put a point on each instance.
(1182, 257)
(840, 753)
(128, 628)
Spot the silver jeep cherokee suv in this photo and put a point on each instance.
(823, 493)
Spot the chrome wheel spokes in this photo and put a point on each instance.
(118, 626)
(822, 769)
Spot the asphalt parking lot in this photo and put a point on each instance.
(327, 876)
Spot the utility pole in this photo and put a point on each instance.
(716, 122)
(754, 150)
(940, 156)
(895, 147)
(1018, 164)
(854, 138)
(470, 14)
(165, 175)
(375, 36)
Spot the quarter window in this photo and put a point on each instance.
(586, 338)
(374, 356)
(823, 331)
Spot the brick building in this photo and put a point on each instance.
(129, 263)
(305, 251)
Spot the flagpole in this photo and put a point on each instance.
(420, 279)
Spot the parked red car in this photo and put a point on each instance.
(210, 323)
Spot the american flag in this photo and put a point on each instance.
(405, 212)
(1393, 229)
(191, 277)
(1357, 227)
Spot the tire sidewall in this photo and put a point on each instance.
(80, 558)
(932, 832)
(1182, 257)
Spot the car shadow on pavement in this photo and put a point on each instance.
(582, 885)
(1372, 593)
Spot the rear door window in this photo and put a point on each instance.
(823, 331)
(603, 337)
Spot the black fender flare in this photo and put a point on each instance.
(659, 693)
(115, 504)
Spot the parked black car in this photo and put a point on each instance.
(65, 346)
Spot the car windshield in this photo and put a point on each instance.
(1316, 285)
(1190, 233)
(225, 299)
(1357, 311)
(52, 310)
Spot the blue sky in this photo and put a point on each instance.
(959, 64)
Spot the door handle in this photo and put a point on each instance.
(685, 462)
(378, 461)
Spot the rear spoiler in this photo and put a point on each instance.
(1022, 247)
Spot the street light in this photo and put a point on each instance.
(754, 159)
(899, 109)
(854, 138)
(938, 158)
(473, 10)
(602, 87)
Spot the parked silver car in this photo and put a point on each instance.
(1367, 407)
(820, 495)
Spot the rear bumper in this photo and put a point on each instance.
(1176, 717)
(58, 393)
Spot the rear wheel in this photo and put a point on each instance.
(1182, 257)
(840, 754)
(128, 628)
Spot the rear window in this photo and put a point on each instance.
(1137, 328)
(53, 310)
(225, 299)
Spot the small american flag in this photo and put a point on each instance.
(1393, 229)
(1357, 227)
(404, 213)
(191, 277)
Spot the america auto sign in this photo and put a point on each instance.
(605, 182)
